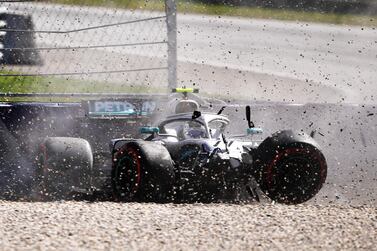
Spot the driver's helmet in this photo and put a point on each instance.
(194, 130)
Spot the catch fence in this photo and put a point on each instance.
(47, 47)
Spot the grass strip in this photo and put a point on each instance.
(26, 84)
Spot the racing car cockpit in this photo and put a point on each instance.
(185, 129)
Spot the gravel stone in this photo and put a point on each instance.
(147, 226)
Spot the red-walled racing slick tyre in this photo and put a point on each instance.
(143, 171)
(290, 168)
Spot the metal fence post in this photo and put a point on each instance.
(171, 21)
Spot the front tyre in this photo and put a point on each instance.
(289, 167)
(143, 171)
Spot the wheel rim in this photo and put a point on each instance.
(128, 173)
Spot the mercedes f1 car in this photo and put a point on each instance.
(186, 157)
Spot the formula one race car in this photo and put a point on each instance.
(186, 158)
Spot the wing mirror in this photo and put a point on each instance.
(149, 130)
(254, 130)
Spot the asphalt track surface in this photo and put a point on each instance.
(322, 70)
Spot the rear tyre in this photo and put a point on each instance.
(16, 172)
(289, 167)
(143, 171)
(64, 168)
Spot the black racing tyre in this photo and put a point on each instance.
(143, 171)
(16, 172)
(64, 167)
(289, 167)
